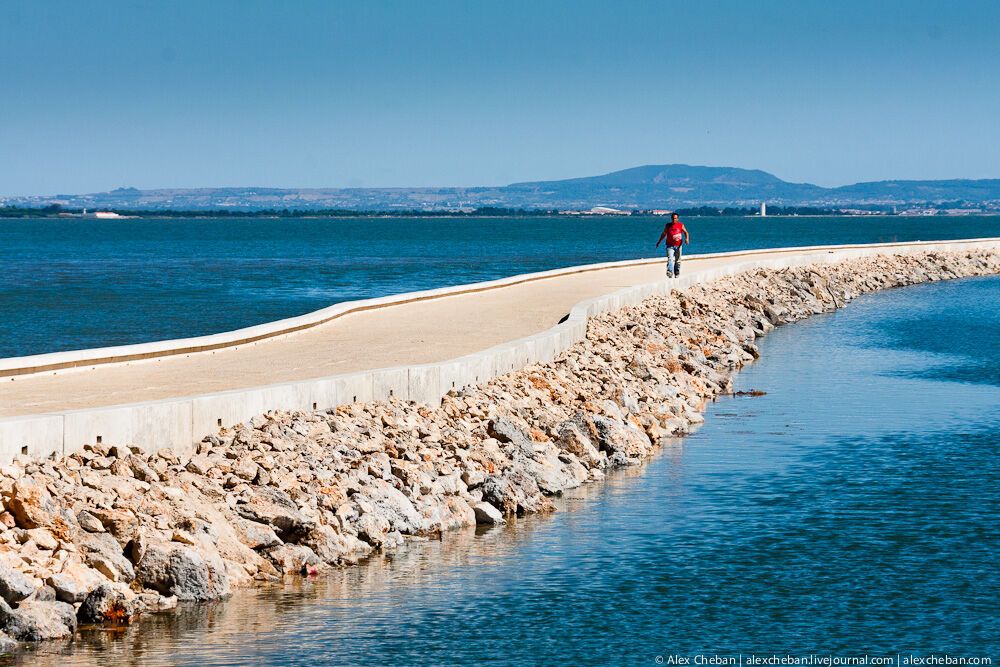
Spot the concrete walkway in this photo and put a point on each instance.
(421, 332)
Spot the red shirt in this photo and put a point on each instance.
(675, 234)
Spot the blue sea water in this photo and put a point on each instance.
(72, 284)
(854, 509)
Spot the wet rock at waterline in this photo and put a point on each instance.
(107, 605)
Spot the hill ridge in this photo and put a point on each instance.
(644, 187)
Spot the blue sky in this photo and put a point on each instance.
(325, 94)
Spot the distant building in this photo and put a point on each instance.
(660, 211)
(763, 209)
(605, 210)
(105, 215)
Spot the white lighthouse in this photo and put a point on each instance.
(763, 209)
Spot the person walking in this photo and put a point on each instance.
(676, 235)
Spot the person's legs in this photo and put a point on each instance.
(670, 261)
(677, 261)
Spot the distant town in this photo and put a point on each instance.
(777, 211)
(762, 211)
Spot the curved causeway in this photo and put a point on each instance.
(125, 525)
(413, 346)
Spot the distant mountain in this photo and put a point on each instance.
(655, 186)
(650, 186)
(668, 174)
(976, 191)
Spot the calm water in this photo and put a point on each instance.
(76, 284)
(855, 508)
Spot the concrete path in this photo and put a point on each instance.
(413, 333)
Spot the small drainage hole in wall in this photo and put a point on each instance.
(219, 422)
(24, 450)
(453, 384)
(354, 400)
(390, 392)
(99, 439)
(314, 406)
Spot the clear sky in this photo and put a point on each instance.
(97, 95)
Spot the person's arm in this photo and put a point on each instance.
(663, 235)
(687, 237)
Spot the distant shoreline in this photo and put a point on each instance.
(58, 213)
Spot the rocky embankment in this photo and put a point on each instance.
(105, 534)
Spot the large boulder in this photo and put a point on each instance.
(575, 439)
(515, 492)
(102, 552)
(444, 513)
(488, 515)
(625, 443)
(35, 621)
(107, 605)
(387, 502)
(89, 522)
(75, 582)
(199, 465)
(552, 474)
(14, 585)
(180, 571)
(275, 508)
(141, 469)
(246, 468)
(507, 432)
(372, 528)
(294, 559)
(123, 524)
(255, 535)
(31, 504)
(41, 538)
(334, 547)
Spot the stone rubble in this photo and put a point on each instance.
(102, 535)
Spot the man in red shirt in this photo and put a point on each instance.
(676, 235)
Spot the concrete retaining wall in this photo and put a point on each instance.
(181, 423)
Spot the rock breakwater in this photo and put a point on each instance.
(111, 532)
